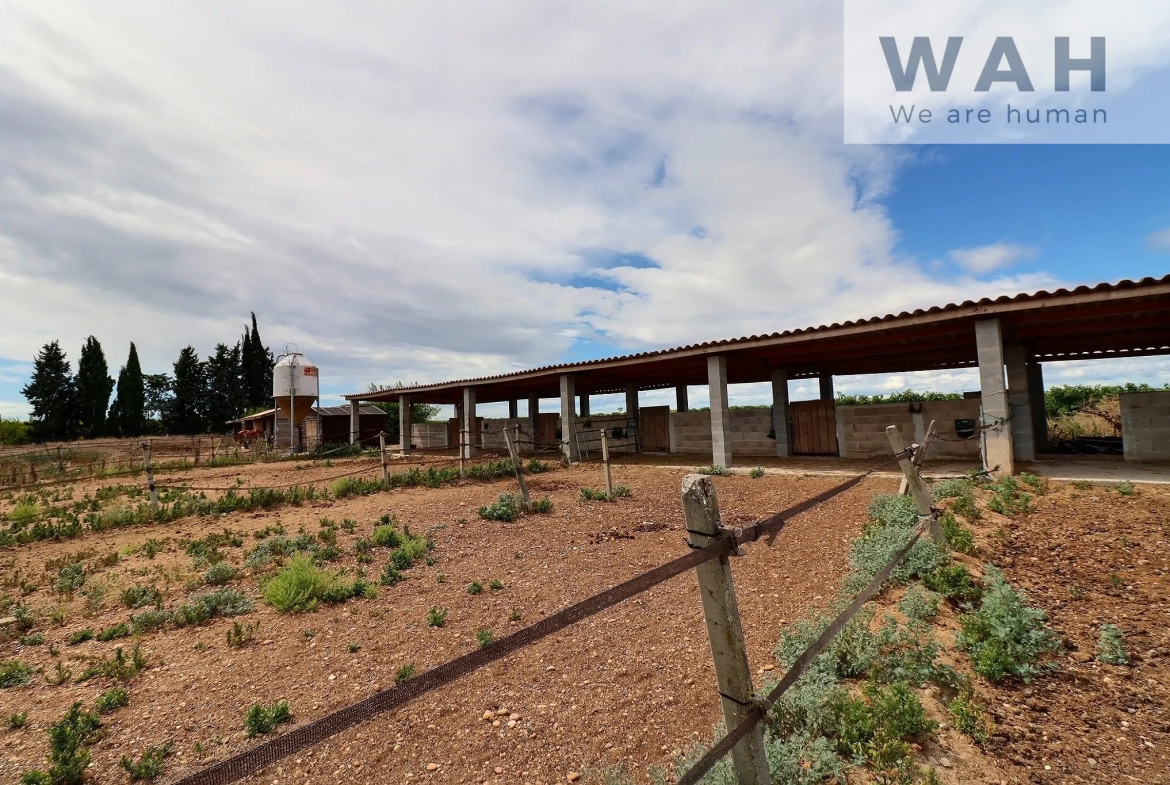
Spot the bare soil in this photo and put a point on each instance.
(634, 684)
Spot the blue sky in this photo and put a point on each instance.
(410, 193)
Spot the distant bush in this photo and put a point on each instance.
(906, 396)
(13, 432)
(121, 630)
(949, 489)
(714, 470)
(953, 582)
(919, 604)
(959, 537)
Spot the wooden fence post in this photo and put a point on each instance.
(514, 454)
(385, 465)
(918, 489)
(919, 456)
(701, 510)
(149, 474)
(60, 461)
(605, 460)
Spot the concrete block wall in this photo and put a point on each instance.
(429, 435)
(1145, 426)
(690, 432)
(492, 435)
(592, 440)
(861, 429)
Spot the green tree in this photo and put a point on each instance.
(256, 360)
(127, 415)
(52, 393)
(225, 387)
(186, 412)
(13, 432)
(94, 386)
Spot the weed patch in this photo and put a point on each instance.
(69, 757)
(505, 508)
(301, 586)
(112, 699)
(1111, 646)
(150, 765)
(1004, 636)
(262, 719)
(14, 673)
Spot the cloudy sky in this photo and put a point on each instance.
(419, 191)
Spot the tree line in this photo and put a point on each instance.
(200, 396)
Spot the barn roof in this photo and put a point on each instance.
(1123, 319)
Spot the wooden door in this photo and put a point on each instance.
(453, 433)
(654, 428)
(814, 428)
(546, 429)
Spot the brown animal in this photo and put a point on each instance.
(248, 437)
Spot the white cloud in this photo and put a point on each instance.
(1159, 241)
(989, 258)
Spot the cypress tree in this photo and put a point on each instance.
(128, 415)
(188, 408)
(258, 368)
(94, 387)
(52, 392)
(225, 388)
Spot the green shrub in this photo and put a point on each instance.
(141, 596)
(405, 673)
(756, 473)
(505, 508)
(714, 470)
(968, 715)
(851, 652)
(14, 673)
(495, 585)
(1005, 637)
(1111, 646)
(959, 537)
(17, 721)
(121, 630)
(950, 489)
(61, 672)
(590, 495)
(897, 711)
(964, 505)
(239, 635)
(149, 621)
(475, 587)
(262, 719)
(888, 509)
(35, 639)
(1036, 483)
(436, 617)
(1007, 498)
(871, 552)
(68, 753)
(80, 636)
(391, 575)
(119, 667)
(219, 574)
(1125, 488)
(485, 638)
(919, 604)
(221, 602)
(112, 699)
(535, 466)
(542, 505)
(150, 765)
(908, 654)
(70, 578)
(300, 586)
(386, 536)
(953, 582)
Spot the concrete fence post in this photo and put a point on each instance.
(724, 628)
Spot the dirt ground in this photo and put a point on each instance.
(634, 684)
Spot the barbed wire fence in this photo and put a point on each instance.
(712, 545)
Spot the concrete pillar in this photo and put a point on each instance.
(826, 380)
(467, 423)
(997, 439)
(632, 410)
(1039, 412)
(513, 409)
(405, 419)
(355, 421)
(720, 411)
(583, 404)
(680, 398)
(533, 412)
(568, 418)
(781, 416)
(1019, 403)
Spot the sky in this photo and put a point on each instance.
(426, 191)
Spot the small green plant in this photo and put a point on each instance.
(219, 574)
(535, 466)
(386, 536)
(1007, 499)
(953, 582)
(714, 470)
(1082, 485)
(1111, 646)
(152, 548)
(17, 721)
(1125, 488)
(544, 505)
(262, 719)
(968, 715)
(149, 621)
(80, 636)
(436, 617)
(514, 614)
(959, 537)
(590, 495)
(1076, 592)
(14, 673)
(119, 667)
(475, 587)
(150, 765)
(391, 575)
(354, 648)
(405, 673)
(142, 596)
(240, 635)
(756, 473)
(33, 639)
(301, 586)
(112, 699)
(70, 578)
(964, 504)
(1034, 482)
(1004, 636)
(495, 585)
(1115, 580)
(68, 753)
(440, 578)
(61, 674)
(485, 638)
(121, 630)
(505, 508)
(919, 604)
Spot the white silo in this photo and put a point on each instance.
(295, 388)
